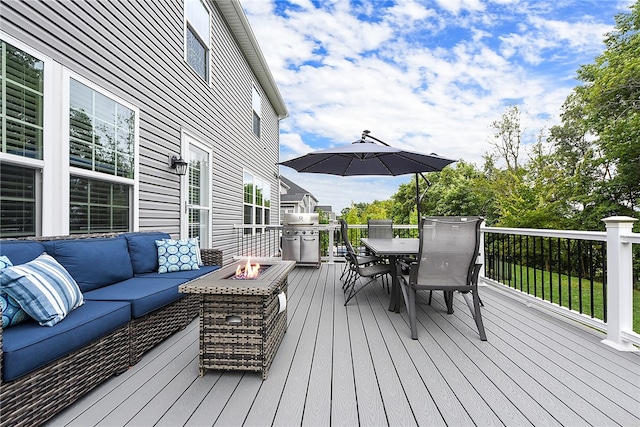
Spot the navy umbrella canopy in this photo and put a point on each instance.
(364, 157)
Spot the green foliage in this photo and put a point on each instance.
(610, 101)
(360, 213)
(583, 170)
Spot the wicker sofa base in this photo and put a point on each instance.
(34, 398)
(149, 330)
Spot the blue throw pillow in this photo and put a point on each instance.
(178, 255)
(143, 250)
(12, 313)
(43, 288)
(94, 262)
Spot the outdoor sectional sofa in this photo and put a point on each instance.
(129, 308)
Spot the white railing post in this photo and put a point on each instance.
(619, 282)
(330, 230)
(481, 255)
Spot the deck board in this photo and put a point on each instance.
(357, 365)
(344, 408)
(317, 399)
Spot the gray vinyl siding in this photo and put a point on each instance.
(134, 50)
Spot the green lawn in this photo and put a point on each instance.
(558, 287)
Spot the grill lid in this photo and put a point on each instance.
(301, 220)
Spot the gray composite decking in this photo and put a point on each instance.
(357, 365)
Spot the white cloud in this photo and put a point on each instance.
(419, 78)
(455, 6)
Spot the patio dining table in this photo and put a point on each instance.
(393, 248)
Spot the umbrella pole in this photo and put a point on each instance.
(418, 197)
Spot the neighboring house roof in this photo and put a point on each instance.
(295, 192)
(325, 208)
(291, 198)
(239, 25)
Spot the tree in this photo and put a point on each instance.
(610, 98)
(457, 190)
(507, 136)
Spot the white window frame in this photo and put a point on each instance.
(53, 171)
(188, 138)
(85, 173)
(47, 182)
(207, 43)
(257, 227)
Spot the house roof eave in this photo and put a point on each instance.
(239, 25)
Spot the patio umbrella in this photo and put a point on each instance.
(364, 157)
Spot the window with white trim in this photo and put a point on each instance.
(257, 202)
(92, 191)
(102, 139)
(197, 37)
(256, 103)
(21, 134)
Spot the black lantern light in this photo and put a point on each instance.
(178, 164)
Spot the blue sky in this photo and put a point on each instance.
(424, 75)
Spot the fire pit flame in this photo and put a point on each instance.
(249, 272)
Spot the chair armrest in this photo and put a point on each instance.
(475, 273)
(406, 266)
(211, 256)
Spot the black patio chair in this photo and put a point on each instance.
(447, 261)
(349, 271)
(380, 228)
(369, 271)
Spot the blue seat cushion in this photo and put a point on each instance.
(182, 275)
(21, 251)
(144, 294)
(94, 262)
(143, 250)
(28, 346)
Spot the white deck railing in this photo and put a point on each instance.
(619, 239)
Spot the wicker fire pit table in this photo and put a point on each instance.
(242, 321)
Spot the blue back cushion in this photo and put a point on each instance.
(143, 250)
(22, 251)
(94, 262)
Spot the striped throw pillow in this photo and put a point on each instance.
(43, 288)
(12, 313)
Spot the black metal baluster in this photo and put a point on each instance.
(526, 239)
(535, 267)
(592, 272)
(550, 240)
(559, 273)
(604, 281)
(569, 272)
(520, 262)
(580, 274)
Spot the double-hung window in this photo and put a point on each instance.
(197, 37)
(21, 135)
(62, 176)
(102, 135)
(257, 203)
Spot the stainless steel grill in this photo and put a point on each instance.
(301, 238)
